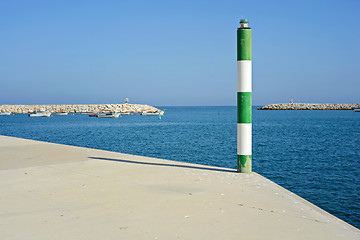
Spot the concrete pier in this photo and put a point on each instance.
(53, 191)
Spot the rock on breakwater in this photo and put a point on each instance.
(79, 108)
(310, 106)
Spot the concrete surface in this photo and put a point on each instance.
(52, 191)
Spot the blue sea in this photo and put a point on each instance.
(315, 154)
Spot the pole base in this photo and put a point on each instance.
(244, 163)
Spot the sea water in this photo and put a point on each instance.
(315, 154)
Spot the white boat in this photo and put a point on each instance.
(41, 113)
(109, 115)
(5, 113)
(85, 111)
(153, 113)
(62, 113)
(357, 109)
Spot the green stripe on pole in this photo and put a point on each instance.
(244, 44)
(244, 107)
(244, 163)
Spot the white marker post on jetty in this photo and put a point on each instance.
(244, 69)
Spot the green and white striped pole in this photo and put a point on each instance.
(244, 69)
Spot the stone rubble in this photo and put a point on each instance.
(80, 108)
(310, 106)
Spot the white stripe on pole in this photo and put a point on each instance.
(244, 138)
(244, 74)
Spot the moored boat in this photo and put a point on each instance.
(153, 113)
(108, 115)
(41, 113)
(62, 113)
(357, 109)
(5, 113)
(85, 111)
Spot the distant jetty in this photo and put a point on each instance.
(310, 106)
(80, 108)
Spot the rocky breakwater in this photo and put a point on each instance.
(310, 106)
(81, 108)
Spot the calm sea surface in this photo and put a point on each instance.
(315, 154)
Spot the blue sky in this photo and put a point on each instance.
(177, 52)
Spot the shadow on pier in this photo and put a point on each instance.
(163, 164)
